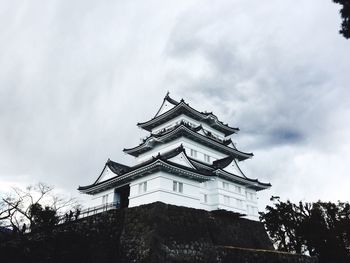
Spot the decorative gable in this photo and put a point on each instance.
(182, 160)
(106, 174)
(164, 108)
(234, 169)
(168, 103)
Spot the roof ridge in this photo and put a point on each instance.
(200, 172)
(171, 100)
(200, 115)
(196, 129)
(189, 129)
(216, 162)
(111, 161)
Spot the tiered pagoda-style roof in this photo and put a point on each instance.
(174, 161)
(177, 120)
(197, 134)
(184, 108)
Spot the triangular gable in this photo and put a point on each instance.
(166, 105)
(233, 168)
(182, 159)
(201, 131)
(105, 175)
(232, 145)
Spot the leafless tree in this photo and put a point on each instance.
(5, 211)
(15, 208)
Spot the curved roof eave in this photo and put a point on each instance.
(227, 130)
(134, 151)
(98, 178)
(93, 188)
(166, 98)
(251, 183)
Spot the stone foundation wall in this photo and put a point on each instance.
(151, 233)
(239, 255)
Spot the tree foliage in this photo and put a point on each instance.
(42, 218)
(345, 14)
(320, 229)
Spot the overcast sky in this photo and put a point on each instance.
(76, 77)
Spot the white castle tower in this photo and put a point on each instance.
(188, 159)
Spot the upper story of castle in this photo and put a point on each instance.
(204, 137)
(185, 143)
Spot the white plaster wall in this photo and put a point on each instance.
(201, 151)
(160, 188)
(96, 200)
(208, 188)
(219, 192)
(188, 144)
(252, 204)
(152, 185)
(185, 118)
(216, 198)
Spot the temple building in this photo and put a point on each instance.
(188, 159)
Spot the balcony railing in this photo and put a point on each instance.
(88, 212)
(99, 209)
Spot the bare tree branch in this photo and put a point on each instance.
(17, 208)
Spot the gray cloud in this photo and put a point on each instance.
(75, 79)
(276, 88)
(281, 81)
